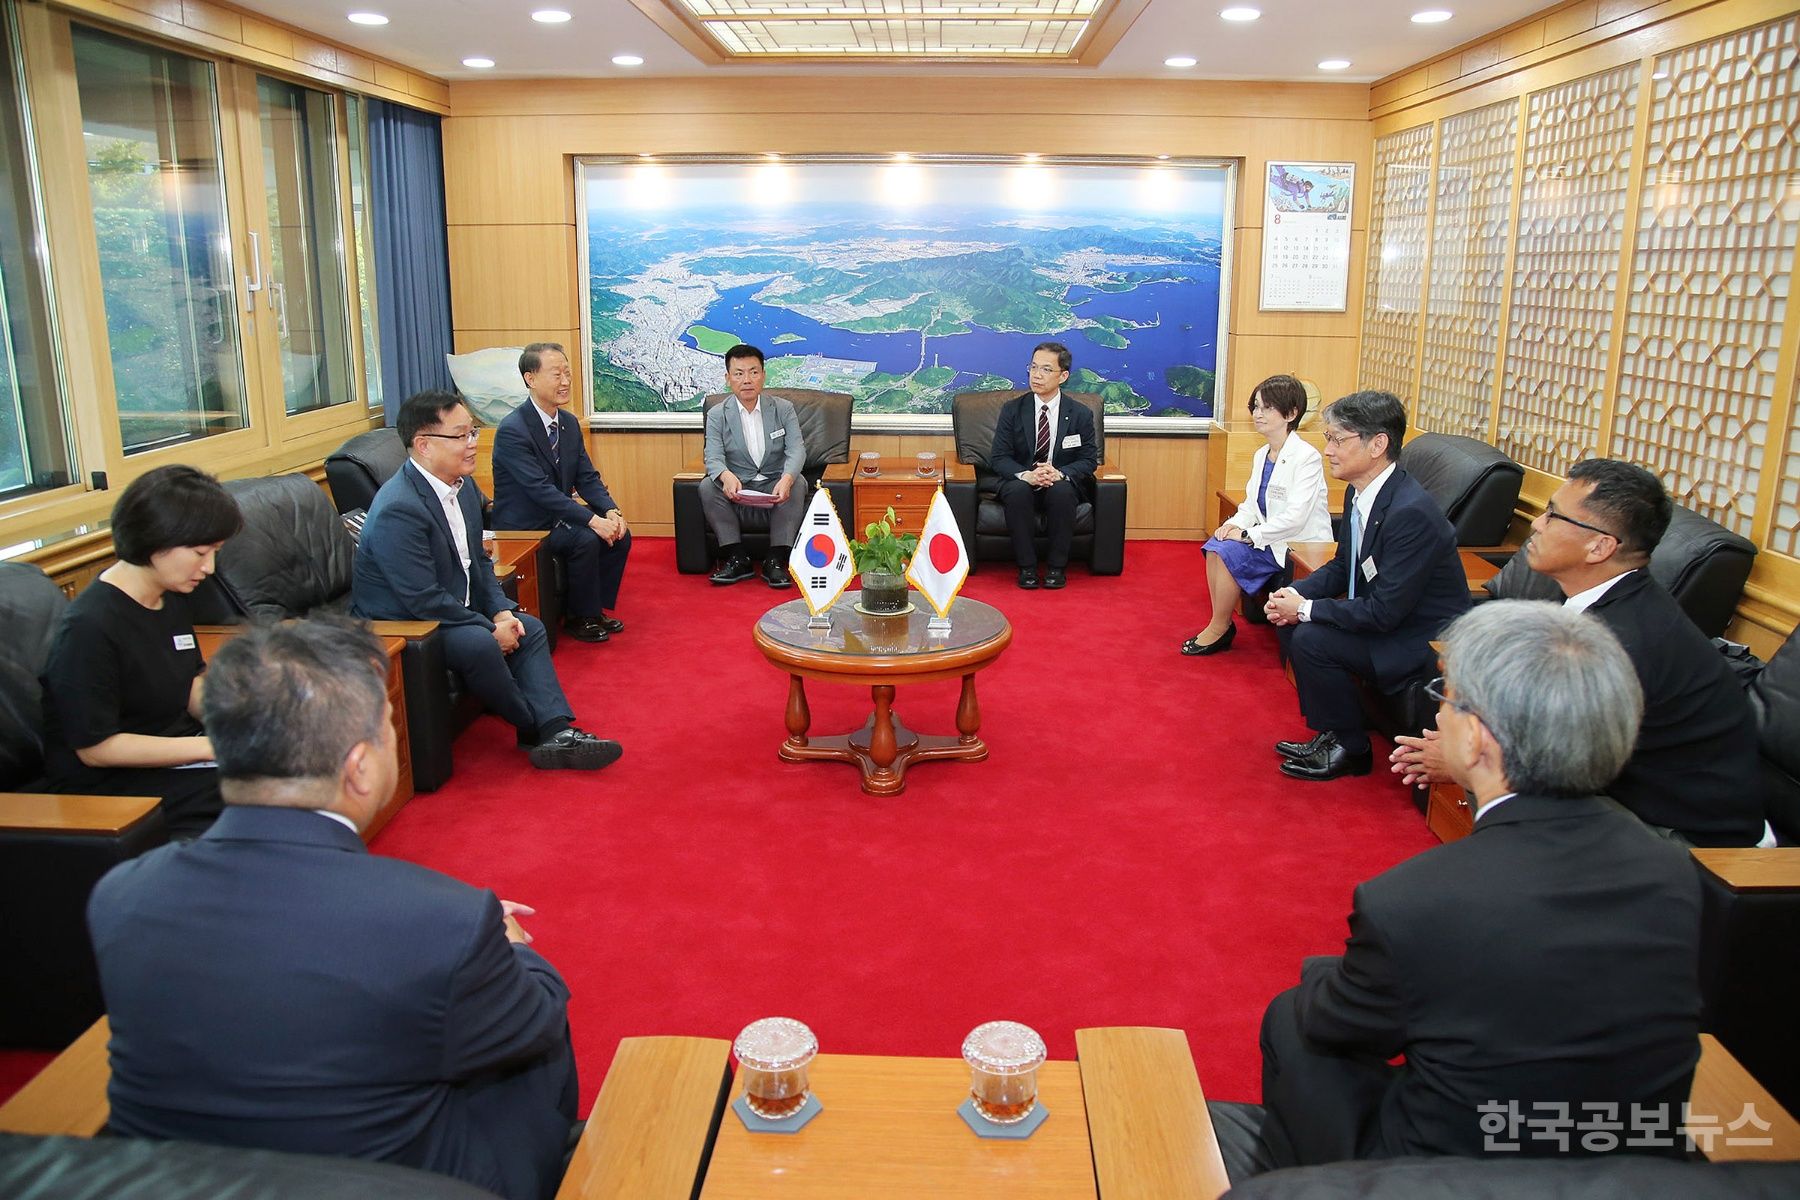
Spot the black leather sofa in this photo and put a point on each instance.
(1775, 698)
(50, 988)
(1475, 484)
(1099, 522)
(1699, 562)
(76, 1168)
(825, 425)
(293, 558)
(356, 470)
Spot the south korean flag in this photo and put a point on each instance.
(820, 562)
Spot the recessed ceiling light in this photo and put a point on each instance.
(1333, 64)
(480, 64)
(1240, 14)
(628, 60)
(772, 156)
(1431, 16)
(1162, 158)
(902, 156)
(1180, 60)
(368, 19)
(550, 16)
(646, 156)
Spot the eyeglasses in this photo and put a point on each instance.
(471, 437)
(1334, 440)
(1552, 514)
(1435, 689)
(1041, 369)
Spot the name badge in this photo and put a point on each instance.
(1368, 569)
(1072, 442)
(184, 641)
(779, 433)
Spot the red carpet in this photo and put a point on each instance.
(1128, 854)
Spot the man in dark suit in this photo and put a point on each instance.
(1693, 773)
(420, 558)
(540, 465)
(1045, 454)
(274, 985)
(1372, 611)
(1550, 959)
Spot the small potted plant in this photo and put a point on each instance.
(881, 558)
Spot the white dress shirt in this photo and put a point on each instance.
(341, 819)
(753, 430)
(1365, 504)
(459, 534)
(1582, 601)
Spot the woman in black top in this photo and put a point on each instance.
(122, 685)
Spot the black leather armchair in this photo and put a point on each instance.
(293, 558)
(1699, 562)
(357, 469)
(1775, 698)
(49, 862)
(1099, 520)
(1475, 484)
(825, 424)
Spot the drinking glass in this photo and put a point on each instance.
(1003, 1058)
(773, 1055)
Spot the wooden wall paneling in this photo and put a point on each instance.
(1329, 362)
(506, 171)
(1167, 480)
(639, 469)
(513, 276)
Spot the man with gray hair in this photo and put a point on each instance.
(274, 985)
(1548, 962)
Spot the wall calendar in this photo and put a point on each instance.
(1306, 236)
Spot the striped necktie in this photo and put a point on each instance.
(553, 430)
(1043, 438)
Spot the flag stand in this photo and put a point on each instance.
(938, 626)
(819, 620)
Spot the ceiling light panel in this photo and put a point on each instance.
(1014, 30)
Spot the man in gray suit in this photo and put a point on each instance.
(754, 449)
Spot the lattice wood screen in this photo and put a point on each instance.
(1566, 270)
(1469, 240)
(1673, 229)
(1394, 288)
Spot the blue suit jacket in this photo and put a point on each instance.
(273, 984)
(1419, 585)
(1015, 440)
(531, 487)
(407, 568)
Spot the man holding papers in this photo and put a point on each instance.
(754, 451)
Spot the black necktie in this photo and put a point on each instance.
(553, 431)
(1043, 441)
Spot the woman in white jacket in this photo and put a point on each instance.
(1284, 502)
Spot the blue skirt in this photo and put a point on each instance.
(1252, 568)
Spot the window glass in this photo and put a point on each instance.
(34, 450)
(306, 275)
(363, 220)
(150, 124)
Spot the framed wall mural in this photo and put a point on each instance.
(904, 282)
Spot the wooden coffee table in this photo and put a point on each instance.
(882, 653)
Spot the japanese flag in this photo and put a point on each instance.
(820, 561)
(940, 564)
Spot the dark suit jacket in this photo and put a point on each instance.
(531, 488)
(273, 984)
(407, 568)
(1551, 956)
(1015, 440)
(1419, 585)
(1695, 765)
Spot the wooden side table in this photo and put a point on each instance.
(899, 486)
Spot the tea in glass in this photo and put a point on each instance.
(1003, 1058)
(773, 1055)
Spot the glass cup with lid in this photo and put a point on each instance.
(1003, 1058)
(773, 1055)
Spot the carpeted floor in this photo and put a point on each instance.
(1128, 854)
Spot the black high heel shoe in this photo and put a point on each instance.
(1193, 648)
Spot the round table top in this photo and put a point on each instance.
(857, 635)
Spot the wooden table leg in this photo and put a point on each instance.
(799, 717)
(968, 712)
(882, 742)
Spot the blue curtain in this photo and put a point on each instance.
(412, 252)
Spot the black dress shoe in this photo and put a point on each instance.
(611, 624)
(1219, 645)
(1028, 578)
(575, 750)
(586, 631)
(1329, 761)
(735, 569)
(775, 573)
(1055, 577)
(1301, 749)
